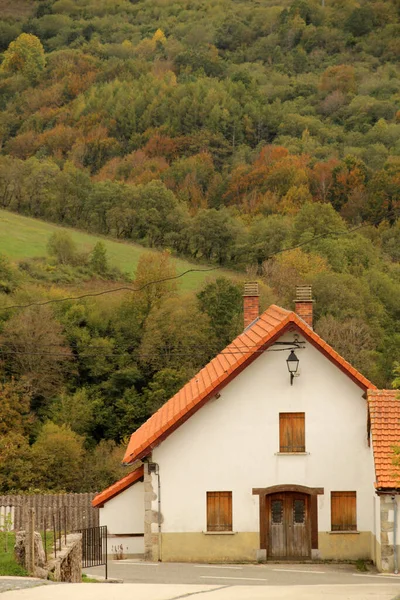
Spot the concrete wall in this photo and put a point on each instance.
(232, 443)
(124, 514)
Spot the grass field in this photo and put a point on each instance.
(23, 237)
(8, 564)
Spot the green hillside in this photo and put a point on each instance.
(24, 237)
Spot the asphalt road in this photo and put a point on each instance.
(130, 571)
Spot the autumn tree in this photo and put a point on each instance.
(154, 280)
(25, 55)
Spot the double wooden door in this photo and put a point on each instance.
(288, 526)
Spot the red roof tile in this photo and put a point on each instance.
(384, 411)
(222, 369)
(117, 488)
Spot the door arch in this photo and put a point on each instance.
(288, 521)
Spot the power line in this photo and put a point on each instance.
(112, 291)
(393, 212)
(172, 351)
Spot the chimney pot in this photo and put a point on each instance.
(251, 302)
(304, 303)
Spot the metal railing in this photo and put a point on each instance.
(94, 547)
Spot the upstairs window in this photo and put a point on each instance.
(219, 511)
(292, 437)
(343, 511)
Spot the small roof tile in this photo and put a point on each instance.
(384, 410)
(117, 487)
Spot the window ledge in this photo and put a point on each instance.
(291, 453)
(344, 532)
(219, 532)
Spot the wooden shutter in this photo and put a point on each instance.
(292, 436)
(343, 511)
(219, 511)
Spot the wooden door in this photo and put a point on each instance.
(289, 531)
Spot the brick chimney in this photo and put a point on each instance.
(304, 303)
(251, 302)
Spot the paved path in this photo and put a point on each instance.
(20, 583)
(131, 571)
(130, 591)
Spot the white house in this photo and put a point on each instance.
(252, 461)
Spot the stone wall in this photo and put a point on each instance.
(20, 552)
(387, 534)
(151, 537)
(67, 567)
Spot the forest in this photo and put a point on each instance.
(257, 136)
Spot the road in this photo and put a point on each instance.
(169, 581)
(130, 571)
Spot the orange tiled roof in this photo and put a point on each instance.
(117, 488)
(222, 369)
(384, 410)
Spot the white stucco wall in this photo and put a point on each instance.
(131, 546)
(232, 443)
(125, 513)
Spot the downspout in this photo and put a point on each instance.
(394, 498)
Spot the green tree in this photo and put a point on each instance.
(98, 259)
(25, 55)
(36, 351)
(8, 276)
(15, 415)
(162, 387)
(16, 468)
(58, 455)
(74, 411)
(63, 248)
(222, 302)
(177, 336)
(103, 465)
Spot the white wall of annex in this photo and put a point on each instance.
(125, 512)
(131, 546)
(232, 443)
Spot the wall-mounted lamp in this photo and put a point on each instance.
(292, 365)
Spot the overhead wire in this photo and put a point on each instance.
(71, 355)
